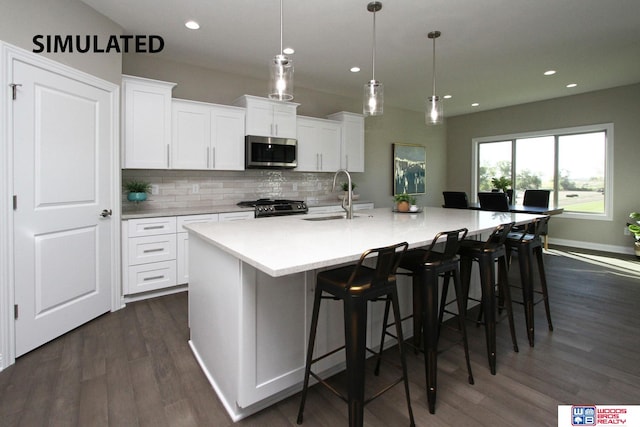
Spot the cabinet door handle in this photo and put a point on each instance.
(168, 155)
(146, 251)
(213, 157)
(346, 162)
(321, 161)
(146, 279)
(276, 129)
(153, 227)
(207, 157)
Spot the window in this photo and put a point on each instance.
(575, 164)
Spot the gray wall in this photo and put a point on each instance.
(20, 20)
(396, 125)
(618, 106)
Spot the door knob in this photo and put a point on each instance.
(105, 213)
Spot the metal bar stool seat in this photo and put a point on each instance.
(486, 254)
(425, 266)
(356, 285)
(528, 243)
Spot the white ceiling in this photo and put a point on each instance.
(493, 52)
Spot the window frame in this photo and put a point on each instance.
(608, 128)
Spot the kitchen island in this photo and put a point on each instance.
(251, 292)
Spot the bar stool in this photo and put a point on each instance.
(426, 265)
(527, 243)
(486, 254)
(356, 285)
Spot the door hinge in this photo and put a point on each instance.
(15, 311)
(14, 90)
(15, 202)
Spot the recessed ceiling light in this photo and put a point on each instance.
(549, 72)
(288, 51)
(355, 69)
(192, 25)
(447, 97)
(475, 104)
(572, 85)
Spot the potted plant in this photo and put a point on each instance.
(503, 183)
(137, 190)
(345, 187)
(634, 228)
(404, 201)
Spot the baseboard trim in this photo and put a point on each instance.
(627, 250)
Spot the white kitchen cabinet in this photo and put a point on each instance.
(318, 145)
(265, 117)
(146, 123)
(182, 238)
(352, 140)
(148, 254)
(207, 136)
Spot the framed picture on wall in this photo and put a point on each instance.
(409, 169)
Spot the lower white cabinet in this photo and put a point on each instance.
(155, 251)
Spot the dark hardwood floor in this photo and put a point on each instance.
(134, 367)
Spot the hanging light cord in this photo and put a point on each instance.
(281, 20)
(373, 55)
(434, 67)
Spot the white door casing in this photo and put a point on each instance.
(65, 254)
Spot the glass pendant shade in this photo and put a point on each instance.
(434, 113)
(281, 78)
(373, 98)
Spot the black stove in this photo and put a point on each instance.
(270, 207)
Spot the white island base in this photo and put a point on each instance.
(251, 287)
(249, 330)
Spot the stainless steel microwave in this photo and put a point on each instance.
(269, 152)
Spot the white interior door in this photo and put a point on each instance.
(62, 179)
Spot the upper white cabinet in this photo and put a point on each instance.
(318, 145)
(207, 136)
(352, 141)
(268, 118)
(146, 123)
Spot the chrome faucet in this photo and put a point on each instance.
(349, 208)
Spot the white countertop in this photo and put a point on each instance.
(290, 244)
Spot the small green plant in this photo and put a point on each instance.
(345, 186)
(134, 186)
(404, 197)
(502, 183)
(635, 227)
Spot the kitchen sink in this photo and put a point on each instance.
(327, 218)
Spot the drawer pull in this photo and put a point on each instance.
(146, 279)
(146, 251)
(154, 227)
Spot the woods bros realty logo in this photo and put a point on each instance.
(598, 415)
(94, 44)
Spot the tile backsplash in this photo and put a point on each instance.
(190, 189)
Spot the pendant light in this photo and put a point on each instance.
(434, 114)
(373, 99)
(281, 75)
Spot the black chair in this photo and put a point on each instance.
(455, 199)
(356, 285)
(486, 254)
(538, 198)
(425, 266)
(527, 243)
(493, 201)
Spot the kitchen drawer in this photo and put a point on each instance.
(150, 277)
(191, 219)
(152, 249)
(235, 216)
(151, 226)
